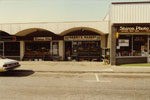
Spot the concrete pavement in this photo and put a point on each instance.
(80, 67)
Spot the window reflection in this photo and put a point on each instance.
(131, 45)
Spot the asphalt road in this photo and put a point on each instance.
(30, 85)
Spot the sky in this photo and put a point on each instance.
(24, 11)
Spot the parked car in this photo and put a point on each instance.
(8, 64)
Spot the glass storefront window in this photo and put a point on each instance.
(11, 48)
(87, 50)
(124, 45)
(131, 45)
(1, 48)
(139, 45)
(37, 49)
(37, 46)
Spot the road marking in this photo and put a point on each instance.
(98, 80)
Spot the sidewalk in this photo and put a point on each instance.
(79, 67)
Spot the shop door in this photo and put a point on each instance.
(68, 50)
(1, 48)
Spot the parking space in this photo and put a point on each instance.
(71, 81)
(71, 86)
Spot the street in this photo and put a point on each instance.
(30, 85)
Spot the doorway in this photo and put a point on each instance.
(68, 50)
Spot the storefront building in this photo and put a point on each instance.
(125, 31)
(54, 41)
(83, 45)
(40, 45)
(132, 43)
(130, 32)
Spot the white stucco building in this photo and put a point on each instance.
(130, 32)
(125, 30)
(59, 29)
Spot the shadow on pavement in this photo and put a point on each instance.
(16, 73)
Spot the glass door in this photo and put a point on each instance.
(55, 48)
(1, 48)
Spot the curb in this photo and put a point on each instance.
(103, 74)
(109, 72)
(126, 75)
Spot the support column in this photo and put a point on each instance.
(22, 49)
(61, 49)
(113, 46)
(103, 41)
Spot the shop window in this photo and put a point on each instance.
(139, 45)
(1, 48)
(124, 45)
(131, 45)
(37, 48)
(55, 46)
(86, 50)
(75, 46)
(11, 48)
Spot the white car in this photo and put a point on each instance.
(8, 64)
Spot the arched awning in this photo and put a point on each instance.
(29, 31)
(3, 33)
(82, 29)
(29, 34)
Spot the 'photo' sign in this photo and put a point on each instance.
(134, 29)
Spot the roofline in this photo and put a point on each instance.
(139, 2)
(131, 24)
(52, 22)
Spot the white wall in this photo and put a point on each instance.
(55, 27)
(130, 13)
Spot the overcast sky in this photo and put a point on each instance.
(22, 11)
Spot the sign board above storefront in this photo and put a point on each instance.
(80, 38)
(7, 38)
(42, 38)
(123, 42)
(134, 29)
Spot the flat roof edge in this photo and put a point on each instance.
(131, 2)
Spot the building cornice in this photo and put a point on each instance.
(131, 2)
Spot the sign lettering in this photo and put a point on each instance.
(42, 38)
(80, 38)
(134, 29)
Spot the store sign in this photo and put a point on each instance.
(123, 42)
(80, 38)
(134, 29)
(7, 38)
(42, 38)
